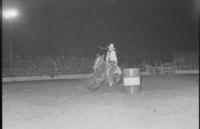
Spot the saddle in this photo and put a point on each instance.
(114, 69)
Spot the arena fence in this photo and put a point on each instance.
(40, 78)
(167, 71)
(87, 76)
(45, 68)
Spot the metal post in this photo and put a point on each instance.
(11, 50)
(175, 60)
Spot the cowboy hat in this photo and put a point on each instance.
(111, 46)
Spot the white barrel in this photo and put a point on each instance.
(131, 80)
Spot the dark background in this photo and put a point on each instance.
(140, 29)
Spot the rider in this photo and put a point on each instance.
(111, 58)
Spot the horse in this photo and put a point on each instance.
(103, 73)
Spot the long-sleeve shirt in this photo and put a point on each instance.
(111, 56)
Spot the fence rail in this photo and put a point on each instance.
(167, 71)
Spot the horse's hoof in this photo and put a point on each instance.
(89, 88)
(110, 84)
(94, 89)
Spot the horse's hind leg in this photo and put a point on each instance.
(94, 85)
(90, 86)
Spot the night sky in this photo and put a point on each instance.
(140, 29)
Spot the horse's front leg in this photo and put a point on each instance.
(117, 78)
(109, 79)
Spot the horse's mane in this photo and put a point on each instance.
(99, 64)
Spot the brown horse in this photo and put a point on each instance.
(103, 74)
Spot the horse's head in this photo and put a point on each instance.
(99, 64)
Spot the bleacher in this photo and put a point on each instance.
(181, 63)
(61, 65)
(46, 66)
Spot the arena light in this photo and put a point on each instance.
(10, 13)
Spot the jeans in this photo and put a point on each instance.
(112, 66)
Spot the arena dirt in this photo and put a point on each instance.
(167, 102)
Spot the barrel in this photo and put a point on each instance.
(131, 80)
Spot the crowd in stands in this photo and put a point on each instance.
(42, 66)
(186, 61)
(61, 65)
(181, 61)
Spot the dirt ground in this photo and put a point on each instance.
(166, 102)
